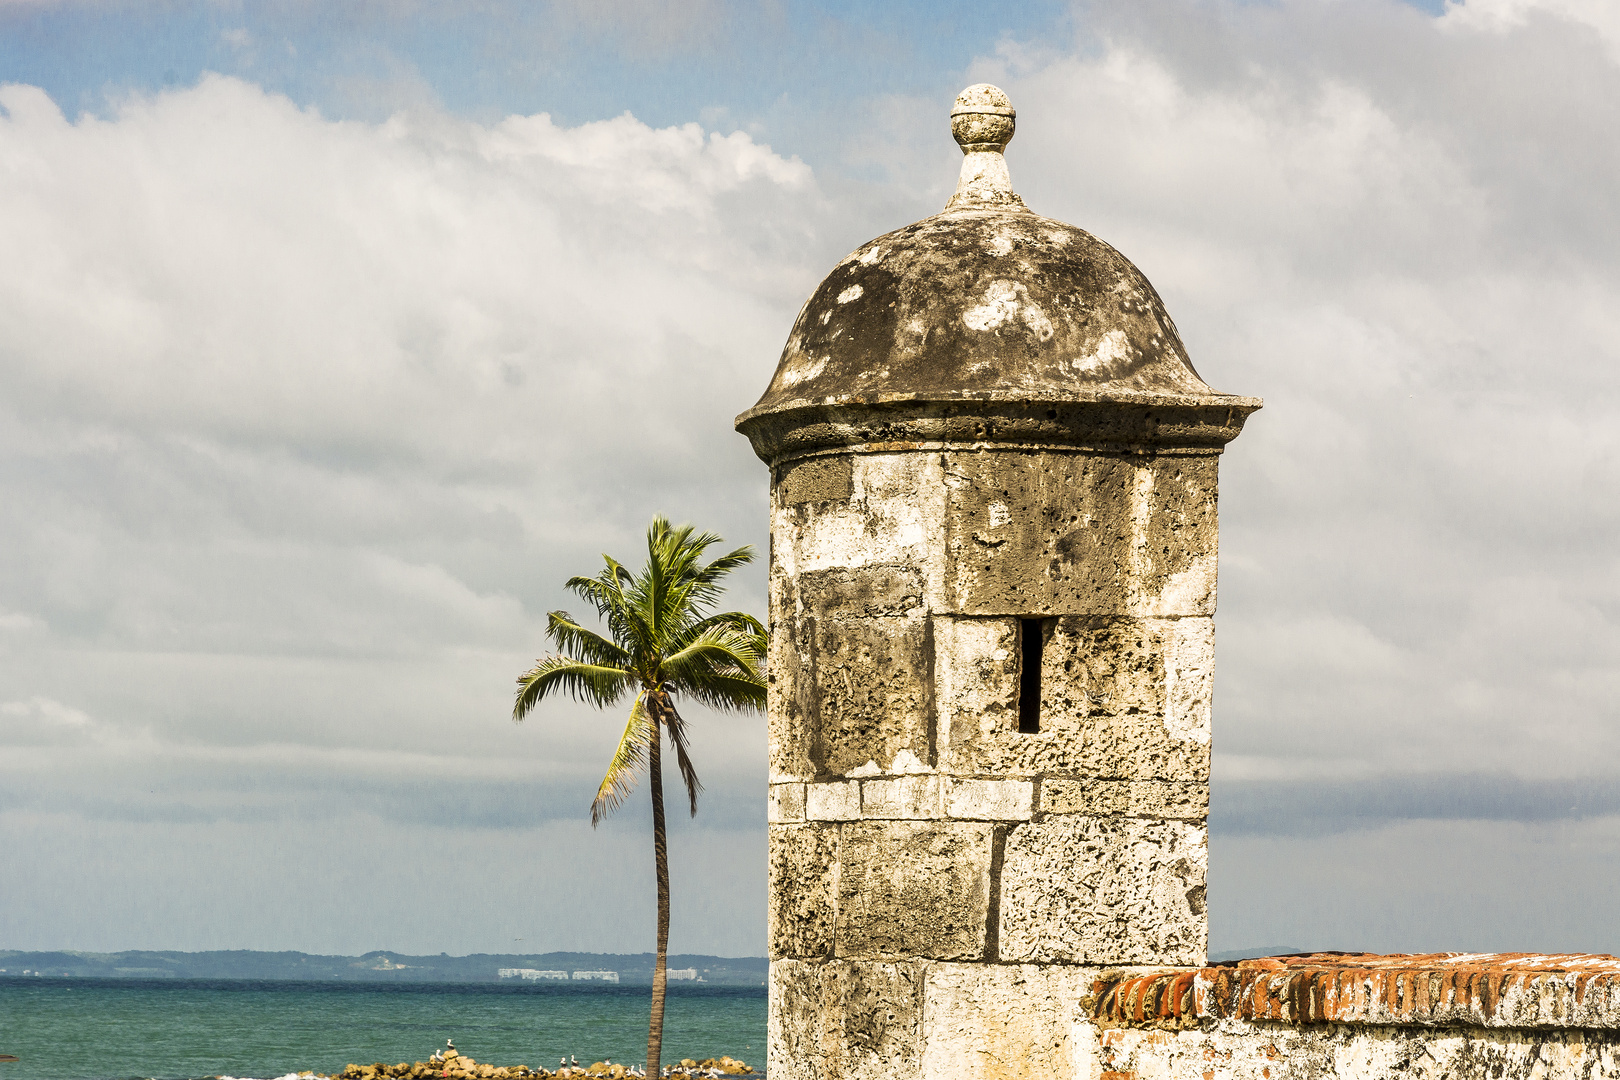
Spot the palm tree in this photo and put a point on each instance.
(662, 644)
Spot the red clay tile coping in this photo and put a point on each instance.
(1507, 990)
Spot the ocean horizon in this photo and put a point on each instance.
(189, 1029)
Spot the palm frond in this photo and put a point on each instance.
(727, 692)
(664, 558)
(598, 684)
(588, 645)
(627, 758)
(606, 593)
(678, 588)
(706, 588)
(677, 735)
(599, 592)
(740, 621)
(719, 649)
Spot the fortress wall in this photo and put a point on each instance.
(1328, 1016)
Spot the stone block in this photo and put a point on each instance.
(903, 797)
(1086, 890)
(838, 800)
(913, 889)
(1121, 698)
(844, 1020)
(1079, 533)
(1161, 799)
(1095, 667)
(882, 590)
(790, 701)
(802, 869)
(784, 803)
(1189, 678)
(1242, 1050)
(884, 513)
(1126, 798)
(975, 685)
(825, 479)
(1006, 1022)
(990, 800)
(857, 693)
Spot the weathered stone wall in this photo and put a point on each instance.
(1368, 1018)
(1501, 1016)
(1239, 1050)
(920, 843)
(955, 898)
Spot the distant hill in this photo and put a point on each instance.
(633, 968)
(1254, 951)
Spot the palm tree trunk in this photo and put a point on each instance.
(655, 1029)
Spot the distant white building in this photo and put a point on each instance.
(683, 974)
(532, 974)
(602, 976)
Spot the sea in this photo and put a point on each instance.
(185, 1029)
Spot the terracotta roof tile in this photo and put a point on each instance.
(1481, 989)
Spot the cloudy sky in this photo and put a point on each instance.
(333, 337)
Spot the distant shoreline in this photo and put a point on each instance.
(630, 969)
(373, 986)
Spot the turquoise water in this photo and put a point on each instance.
(112, 1029)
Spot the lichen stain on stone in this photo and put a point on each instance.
(808, 368)
(1005, 301)
(1110, 358)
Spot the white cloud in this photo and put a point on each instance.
(1505, 16)
(306, 421)
(217, 262)
(41, 720)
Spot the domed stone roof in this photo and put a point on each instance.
(985, 301)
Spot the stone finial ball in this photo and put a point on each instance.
(983, 118)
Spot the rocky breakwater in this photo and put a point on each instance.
(453, 1065)
(722, 1066)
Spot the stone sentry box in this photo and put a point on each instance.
(992, 589)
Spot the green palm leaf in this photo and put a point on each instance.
(627, 759)
(677, 734)
(598, 684)
(588, 645)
